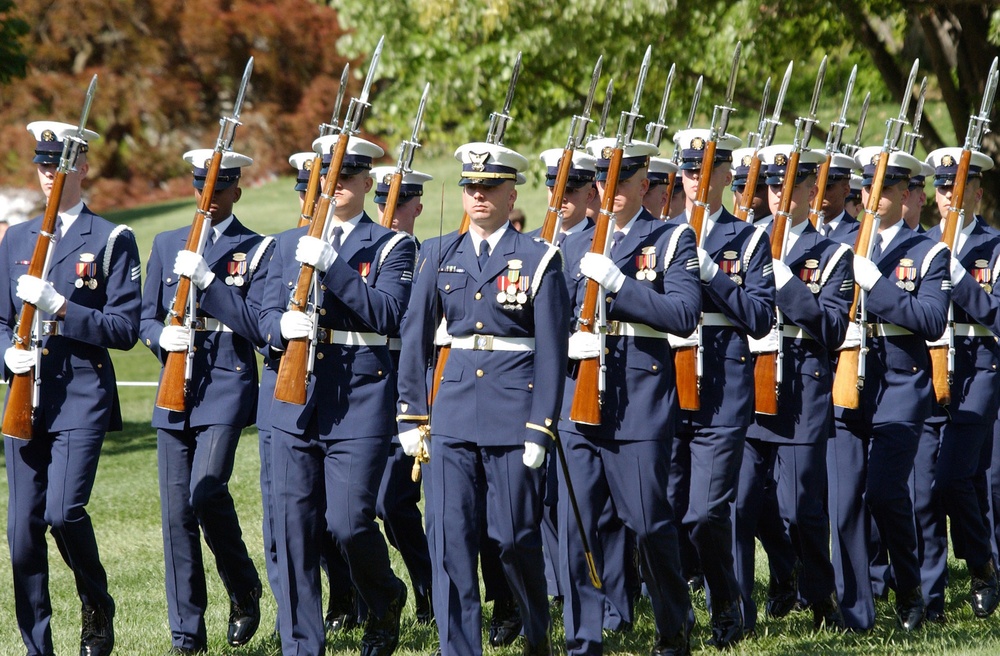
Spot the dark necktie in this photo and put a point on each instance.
(338, 234)
(616, 239)
(877, 248)
(484, 255)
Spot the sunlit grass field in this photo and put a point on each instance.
(125, 505)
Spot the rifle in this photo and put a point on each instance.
(768, 370)
(498, 126)
(853, 147)
(577, 129)
(913, 134)
(687, 359)
(833, 140)
(609, 92)
(849, 379)
(586, 407)
(405, 162)
(175, 381)
(25, 389)
(672, 177)
(297, 362)
(325, 129)
(943, 355)
(765, 134)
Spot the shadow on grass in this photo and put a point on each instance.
(147, 212)
(135, 436)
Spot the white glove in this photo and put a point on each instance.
(766, 344)
(410, 441)
(782, 274)
(175, 338)
(19, 361)
(957, 271)
(853, 337)
(192, 265)
(534, 455)
(866, 273)
(584, 346)
(677, 341)
(295, 325)
(40, 293)
(706, 265)
(315, 252)
(603, 270)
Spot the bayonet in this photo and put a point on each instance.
(753, 138)
(897, 123)
(498, 122)
(408, 148)
(913, 134)
(654, 131)
(978, 125)
(88, 101)
(837, 128)
(605, 110)
(775, 120)
(363, 98)
(730, 90)
(334, 124)
(695, 100)
(229, 123)
(626, 124)
(810, 121)
(578, 127)
(853, 147)
(358, 106)
(72, 145)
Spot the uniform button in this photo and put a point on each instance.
(478, 296)
(479, 373)
(197, 305)
(914, 369)
(290, 283)
(656, 368)
(237, 368)
(323, 287)
(148, 342)
(100, 366)
(379, 372)
(531, 386)
(743, 358)
(322, 312)
(45, 351)
(171, 280)
(268, 338)
(319, 356)
(607, 351)
(194, 348)
(608, 299)
(816, 374)
(447, 287)
(479, 324)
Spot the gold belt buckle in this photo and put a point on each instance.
(612, 328)
(482, 342)
(50, 328)
(870, 330)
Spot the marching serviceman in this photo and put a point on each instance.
(89, 300)
(328, 455)
(871, 455)
(947, 462)
(737, 302)
(918, 198)
(398, 493)
(658, 175)
(652, 289)
(742, 158)
(196, 448)
(839, 224)
(814, 282)
(497, 405)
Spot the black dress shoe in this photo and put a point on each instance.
(936, 617)
(910, 609)
(541, 649)
(678, 645)
(186, 651)
(97, 634)
(244, 617)
(696, 582)
(782, 597)
(341, 613)
(985, 590)
(382, 633)
(505, 625)
(827, 614)
(424, 607)
(727, 625)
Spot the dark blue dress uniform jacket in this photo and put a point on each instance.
(223, 361)
(491, 398)
(846, 231)
(352, 388)
(805, 401)
(975, 397)
(898, 375)
(640, 401)
(78, 381)
(727, 380)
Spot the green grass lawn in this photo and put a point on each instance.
(125, 506)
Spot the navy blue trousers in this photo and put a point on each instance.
(396, 506)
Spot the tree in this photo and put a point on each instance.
(12, 60)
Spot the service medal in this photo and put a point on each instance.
(79, 283)
(983, 275)
(364, 268)
(640, 274)
(236, 268)
(92, 283)
(651, 275)
(238, 281)
(810, 275)
(522, 298)
(906, 273)
(910, 285)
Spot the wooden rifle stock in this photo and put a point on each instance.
(586, 407)
(558, 193)
(686, 357)
(822, 179)
(846, 390)
(173, 386)
(445, 349)
(766, 367)
(17, 416)
(749, 191)
(665, 212)
(312, 190)
(391, 199)
(293, 371)
(940, 374)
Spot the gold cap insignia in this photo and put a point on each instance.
(86, 257)
(947, 160)
(698, 143)
(607, 153)
(307, 165)
(781, 159)
(478, 161)
(48, 135)
(387, 179)
(747, 159)
(874, 159)
(207, 164)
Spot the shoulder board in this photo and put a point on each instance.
(550, 252)
(675, 237)
(108, 251)
(396, 239)
(838, 255)
(755, 239)
(935, 249)
(262, 247)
